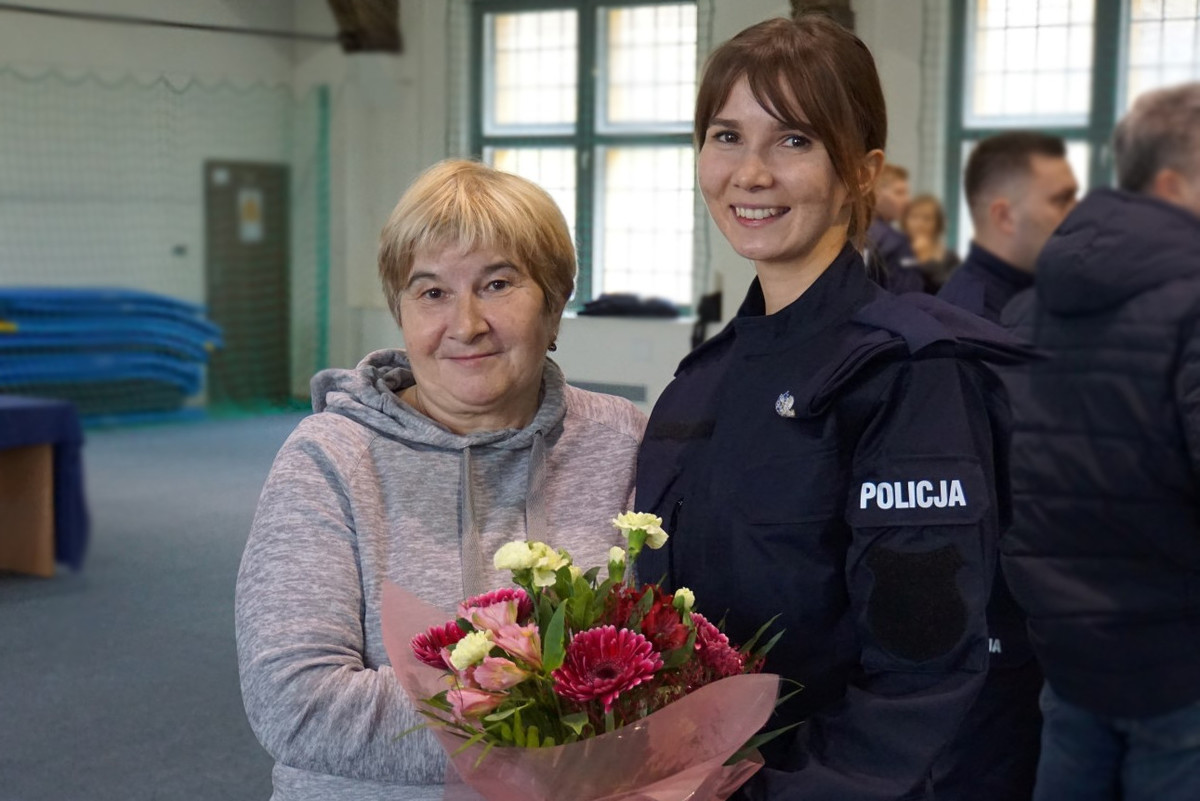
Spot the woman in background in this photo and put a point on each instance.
(831, 457)
(417, 465)
(925, 223)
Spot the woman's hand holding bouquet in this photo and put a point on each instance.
(595, 687)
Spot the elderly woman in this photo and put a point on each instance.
(416, 467)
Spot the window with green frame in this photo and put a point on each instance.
(593, 101)
(1065, 67)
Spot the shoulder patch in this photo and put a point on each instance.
(918, 491)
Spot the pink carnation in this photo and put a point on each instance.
(497, 608)
(429, 646)
(603, 663)
(714, 650)
(468, 702)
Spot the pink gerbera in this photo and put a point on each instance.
(497, 608)
(714, 650)
(429, 646)
(603, 663)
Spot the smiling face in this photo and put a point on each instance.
(476, 328)
(772, 191)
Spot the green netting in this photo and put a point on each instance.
(164, 246)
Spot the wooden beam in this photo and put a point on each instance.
(368, 25)
(840, 10)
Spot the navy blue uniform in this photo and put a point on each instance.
(835, 463)
(895, 264)
(984, 284)
(994, 756)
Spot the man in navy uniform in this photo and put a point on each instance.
(890, 254)
(1104, 551)
(1019, 187)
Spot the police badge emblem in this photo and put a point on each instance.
(784, 404)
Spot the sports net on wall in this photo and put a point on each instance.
(163, 245)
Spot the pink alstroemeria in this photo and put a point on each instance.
(498, 674)
(523, 642)
(497, 608)
(471, 703)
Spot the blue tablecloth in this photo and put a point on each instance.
(40, 421)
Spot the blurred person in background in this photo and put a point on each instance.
(1019, 187)
(890, 255)
(1104, 552)
(416, 466)
(924, 222)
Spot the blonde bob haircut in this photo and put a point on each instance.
(458, 203)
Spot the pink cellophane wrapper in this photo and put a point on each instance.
(676, 754)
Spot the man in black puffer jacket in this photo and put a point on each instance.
(1104, 552)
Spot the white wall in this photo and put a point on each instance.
(150, 51)
(389, 121)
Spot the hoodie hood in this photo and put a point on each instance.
(367, 394)
(1112, 246)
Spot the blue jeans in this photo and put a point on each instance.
(1090, 757)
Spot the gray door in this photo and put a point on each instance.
(246, 264)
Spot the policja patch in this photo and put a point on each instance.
(920, 491)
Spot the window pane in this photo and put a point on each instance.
(531, 66)
(552, 168)
(1024, 52)
(650, 55)
(644, 239)
(1164, 45)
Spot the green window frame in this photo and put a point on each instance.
(588, 137)
(1110, 27)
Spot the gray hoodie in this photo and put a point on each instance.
(365, 490)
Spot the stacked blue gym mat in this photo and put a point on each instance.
(119, 355)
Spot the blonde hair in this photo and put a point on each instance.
(465, 204)
(890, 173)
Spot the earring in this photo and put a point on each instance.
(553, 347)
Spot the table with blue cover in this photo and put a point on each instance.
(26, 422)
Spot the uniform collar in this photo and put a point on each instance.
(832, 298)
(998, 268)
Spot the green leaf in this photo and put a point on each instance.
(548, 741)
(409, 731)
(757, 740)
(474, 738)
(506, 732)
(590, 575)
(553, 647)
(504, 713)
(679, 656)
(518, 729)
(770, 644)
(545, 611)
(748, 646)
(575, 722)
(486, 750)
(531, 738)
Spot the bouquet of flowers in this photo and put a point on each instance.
(592, 687)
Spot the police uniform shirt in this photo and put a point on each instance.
(834, 464)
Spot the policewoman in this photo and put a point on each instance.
(832, 456)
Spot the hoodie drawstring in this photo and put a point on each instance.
(535, 492)
(473, 561)
(470, 541)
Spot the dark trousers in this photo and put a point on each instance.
(994, 756)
